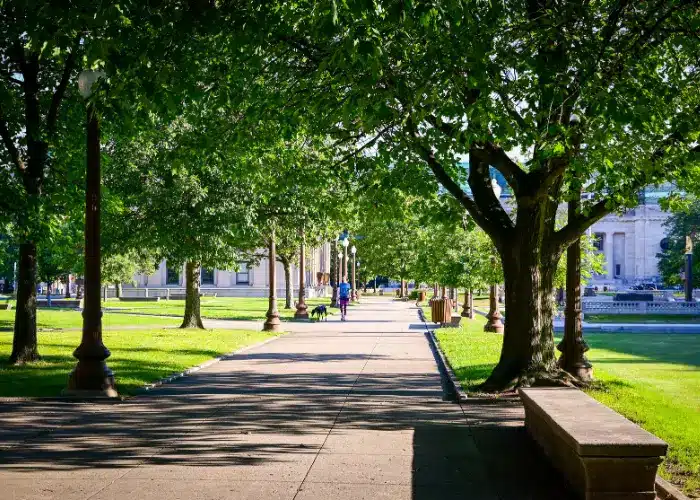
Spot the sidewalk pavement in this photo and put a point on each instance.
(335, 410)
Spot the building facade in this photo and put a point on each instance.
(249, 280)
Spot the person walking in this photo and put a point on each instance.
(343, 298)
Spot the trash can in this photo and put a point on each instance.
(441, 311)
(421, 296)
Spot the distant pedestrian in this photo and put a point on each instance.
(344, 299)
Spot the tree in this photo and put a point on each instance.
(431, 81)
(684, 221)
(183, 185)
(121, 268)
(42, 49)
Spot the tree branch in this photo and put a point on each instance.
(366, 145)
(57, 97)
(480, 184)
(10, 145)
(446, 181)
(512, 112)
(578, 224)
(500, 160)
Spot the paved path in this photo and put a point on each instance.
(334, 411)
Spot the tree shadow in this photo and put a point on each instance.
(653, 347)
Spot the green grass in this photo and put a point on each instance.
(234, 308)
(138, 357)
(61, 319)
(652, 379)
(641, 318)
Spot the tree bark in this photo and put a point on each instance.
(24, 343)
(287, 283)
(527, 355)
(118, 289)
(67, 286)
(193, 317)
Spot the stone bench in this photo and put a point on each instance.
(139, 299)
(72, 304)
(183, 296)
(601, 453)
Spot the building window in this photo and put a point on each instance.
(242, 276)
(599, 241)
(207, 276)
(618, 270)
(172, 277)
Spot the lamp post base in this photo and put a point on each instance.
(302, 311)
(91, 379)
(272, 324)
(494, 323)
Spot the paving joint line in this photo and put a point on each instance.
(335, 420)
(158, 450)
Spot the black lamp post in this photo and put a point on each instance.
(688, 269)
(91, 377)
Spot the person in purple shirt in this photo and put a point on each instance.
(344, 298)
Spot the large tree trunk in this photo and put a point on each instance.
(118, 290)
(287, 284)
(67, 286)
(527, 356)
(24, 343)
(193, 318)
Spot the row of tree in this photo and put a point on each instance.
(216, 103)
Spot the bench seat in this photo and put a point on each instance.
(601, 453)
(139, 299)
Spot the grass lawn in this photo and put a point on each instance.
(641, 318)
(61, 319)
(652, 379)
(138, 357)
(235, 308)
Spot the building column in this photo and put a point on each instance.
(608, 251)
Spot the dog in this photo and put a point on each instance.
(320, 312)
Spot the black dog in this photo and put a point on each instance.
(320, 312)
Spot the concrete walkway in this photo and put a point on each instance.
(335, 411)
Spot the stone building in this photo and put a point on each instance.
(250, 281)
(631, 242)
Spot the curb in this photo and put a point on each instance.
(453, 389)
(666, 491)
(146, 389)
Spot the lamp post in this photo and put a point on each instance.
(493, 323)
(346, 242)
(272, 323)
(334, 272)
(91, 376)
(688, 269)
(353, 293)
(302, 312)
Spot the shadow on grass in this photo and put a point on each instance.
(649, 347)
(473, 376)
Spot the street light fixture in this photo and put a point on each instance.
(91, 377)
(353, 293)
